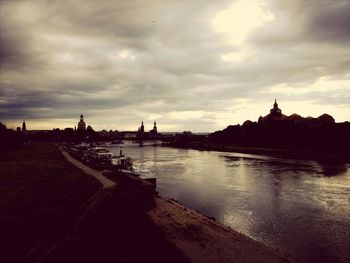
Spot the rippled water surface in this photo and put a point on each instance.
(302, 207)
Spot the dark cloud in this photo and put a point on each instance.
(122, 61)
(330, 21)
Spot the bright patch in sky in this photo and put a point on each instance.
(323, 84)
(241, 18)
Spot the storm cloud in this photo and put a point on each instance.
(190, 65)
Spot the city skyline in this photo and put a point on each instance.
(197, 65)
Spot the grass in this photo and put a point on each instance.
(41, 195)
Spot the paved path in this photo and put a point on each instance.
(98, 175)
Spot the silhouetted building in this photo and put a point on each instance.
(154, 132)
(24, 128)
(278, 130)
(276, 116)
(142, 128)
(81, 124)
(155, 127)
(275, 111)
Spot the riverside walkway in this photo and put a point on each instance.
(98, 175)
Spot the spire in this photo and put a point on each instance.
(81, 124)
(275, 110)
(24, 128)
(142, 128)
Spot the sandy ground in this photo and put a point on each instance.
(201, 239)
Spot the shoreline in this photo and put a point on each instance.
(274, 152)
(190, 231)
(212, 240)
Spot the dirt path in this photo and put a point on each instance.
(98, 175)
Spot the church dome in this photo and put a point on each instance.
(295, 116)
(326, 118)
(247, 123)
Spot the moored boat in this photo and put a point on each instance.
(99, 153)
(121, 162)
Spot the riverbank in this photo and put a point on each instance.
(41, 195)
(203, 240)
(196, 238)
(125, 222)
(275, 152)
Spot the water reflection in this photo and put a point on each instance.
(333, 168)
(300, 206)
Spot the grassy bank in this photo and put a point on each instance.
(41, 195)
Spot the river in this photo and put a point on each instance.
(301, 207)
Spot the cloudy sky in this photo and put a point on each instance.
(196, 65)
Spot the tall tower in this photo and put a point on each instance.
(275, 105)
(275, 111)
(155, 126)
(81, 124)
(24, 127)
(142, 129)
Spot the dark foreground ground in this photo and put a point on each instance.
(50, 211)
(40, 196)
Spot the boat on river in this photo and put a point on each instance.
(99, 154)
(121, 162)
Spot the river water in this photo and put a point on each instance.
(301, 207)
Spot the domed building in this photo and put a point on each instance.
(275, 115)
(275, 111)
(81, 124)
(295, 118)
(247, 123)
(154, 132)
(326, 118)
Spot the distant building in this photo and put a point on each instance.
(81, 124)
(24, 128)
(154, 132)
(276, 116)
(141, 131)
(275, 111)
(128, 134)
(142, 128)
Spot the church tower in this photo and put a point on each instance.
(142, 129)
(155, 126)
(275, 111)
(24, 127)
(81, 124)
